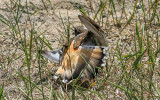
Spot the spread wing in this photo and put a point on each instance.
(57, 55)
(89, 40)
(84, 62)
(54, 56)
(94, 28)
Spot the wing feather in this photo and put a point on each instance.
(88, 58)
(54, 56)
(94, 28)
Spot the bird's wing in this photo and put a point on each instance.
(54, 56)
(92, 26)
(85, 60)
(78, 40)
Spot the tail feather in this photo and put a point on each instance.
(96, 52)
(94, 55)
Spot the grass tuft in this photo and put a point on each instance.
(132, 32)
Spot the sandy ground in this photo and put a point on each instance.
(47, 22)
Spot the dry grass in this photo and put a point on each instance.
(132, 30)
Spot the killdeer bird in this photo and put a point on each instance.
(83, 54)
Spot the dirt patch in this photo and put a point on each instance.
(49, 20)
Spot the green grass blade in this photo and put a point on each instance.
(80, 8)
(131, 17)
(139, 39)
(156, 89)
(136, 98)
(137, 60)
(1, 92)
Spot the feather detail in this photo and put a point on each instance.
(79, 39)
(92, 26)
(54, 56)
(84, 59)
(77, 58)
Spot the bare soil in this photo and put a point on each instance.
(49, 23)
